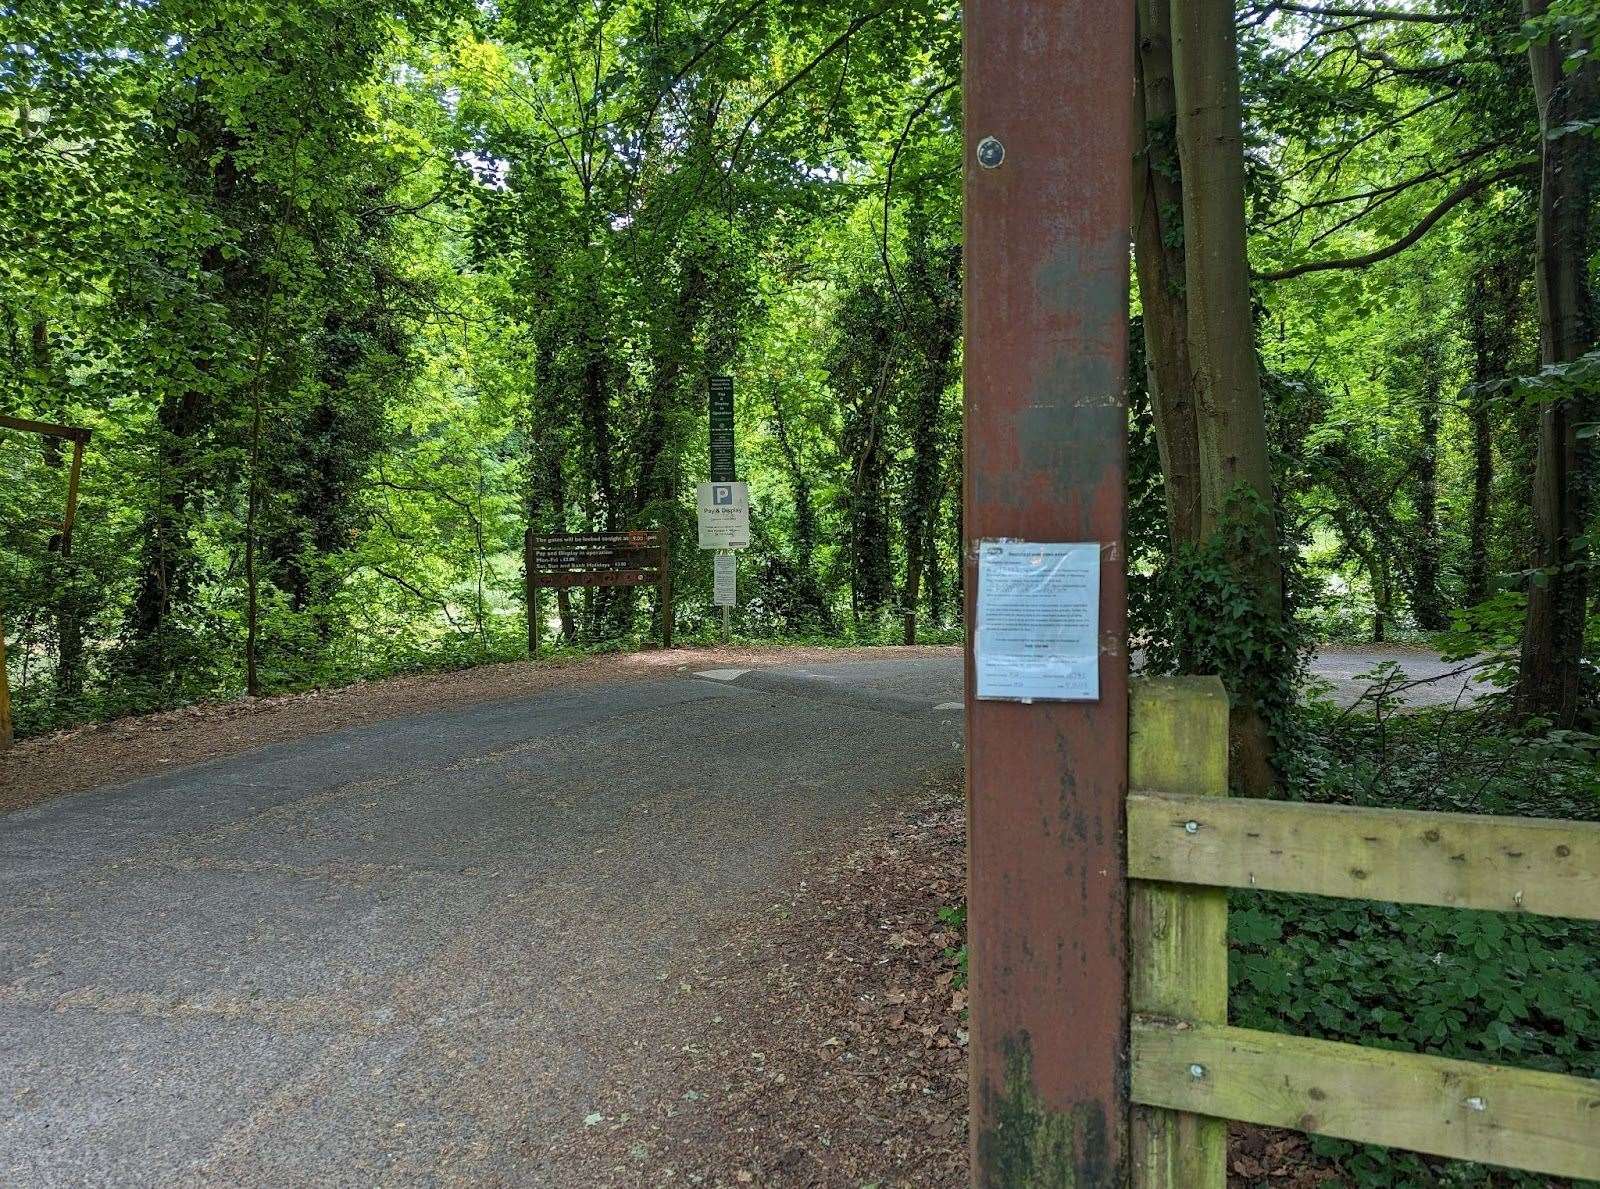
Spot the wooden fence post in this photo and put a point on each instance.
(5, 694)
(666, 592)
(530, 587)
(1178, 935)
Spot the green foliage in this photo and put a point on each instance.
(1479, 986)
(1213, 617)
(955, 916)
(354, 295)
(1472, 985)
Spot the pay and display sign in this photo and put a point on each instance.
(724, 515)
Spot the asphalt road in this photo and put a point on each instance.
(404, 953)
(407, 953)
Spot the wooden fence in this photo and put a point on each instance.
(1188, 842)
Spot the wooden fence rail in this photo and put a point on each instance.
(1188, 842)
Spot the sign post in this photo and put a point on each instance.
(1048, 91)
(724, 526)
(721, 410)
(725, 585)
(727, 505)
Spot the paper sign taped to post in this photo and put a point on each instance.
(725, 580)
(1038, 630)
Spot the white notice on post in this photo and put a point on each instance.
(725, 580)
(1038, 634)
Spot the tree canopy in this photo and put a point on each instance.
(357, 297)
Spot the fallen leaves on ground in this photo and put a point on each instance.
(834, 1042)
(827, 1043)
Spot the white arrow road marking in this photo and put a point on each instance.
(722, 674)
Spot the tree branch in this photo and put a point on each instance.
(1450, 201)
(712, 43)
(888, 183)
(799, 76)
(1377, 14)
(1430, 175)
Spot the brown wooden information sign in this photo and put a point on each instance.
(637, 558)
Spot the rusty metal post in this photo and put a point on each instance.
(1049, 86)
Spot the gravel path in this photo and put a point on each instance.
(1344, 667)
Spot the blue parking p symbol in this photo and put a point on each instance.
(721, 494)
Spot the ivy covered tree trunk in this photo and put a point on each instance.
(1492, 315)
(862, 368)
(933, 309)
(166, 563)
(1236, 492)
(314, 477)
(810, 601)
(933, 566)
(1551, 683)
(1427, 601)
(870, 537)
(167, 572)
(68, 595)
(1159, 256)
(556, 486)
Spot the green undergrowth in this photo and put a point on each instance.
(1521, 991)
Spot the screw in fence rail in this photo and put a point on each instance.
(1178, 935)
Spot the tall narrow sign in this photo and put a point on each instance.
(1048, 94)
(722, 466)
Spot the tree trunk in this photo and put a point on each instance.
(68, 591)
(918, 508)
(813, 603)
(931, 564)
(1159, 256)
(1427, 603)
(1492, 321)
(1235, 469)
(556, 488)
(168, 563)
(166, 567)
(1552, 647)
(921, 505)
(1382, 596)
(252, 676)
(871, 569)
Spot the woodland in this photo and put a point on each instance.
(354, 298)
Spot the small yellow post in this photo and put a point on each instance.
(1178, 936)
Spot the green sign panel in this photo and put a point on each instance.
(722, 468)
